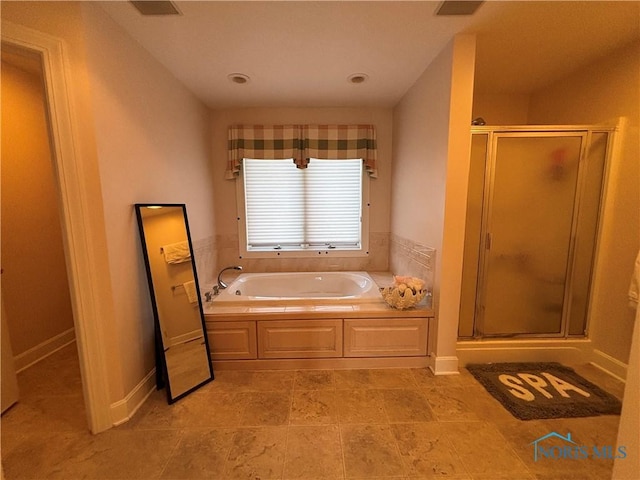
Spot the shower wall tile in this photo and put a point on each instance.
(377, 260)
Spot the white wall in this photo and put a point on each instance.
(501, 108)
(599, 94)
(430, 176)
(152, 144)
(142, 137)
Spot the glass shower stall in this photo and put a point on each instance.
(533, 210)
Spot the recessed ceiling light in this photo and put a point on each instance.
(239, 78)
(358, 78)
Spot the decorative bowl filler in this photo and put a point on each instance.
(406, 292)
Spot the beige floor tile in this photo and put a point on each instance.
(313, 407)
(218, 409)
(489, 409)
(432, 477)
(385, 477)
(451, 403)
(350, 379)
(599, 432)
(605, 381)
(157, 400)
(404, 405)
(586, 432)
(314, 380)
(256, 453)
(507, 476)
(370, 451)
(251, 381)
(62, 413)
(269, 380)
(84, 456)
(393, 378)
(370, 423)
(361, 406)
(201, 453)
(167, 417)
(313, 453)
(267, 408)
(196, 410)
(40, 454)
(570, 475)
(233, 380)
(109, 455)
(58, 374)
(426, 452)
(521, 435)
(483, 449)
(425, 378)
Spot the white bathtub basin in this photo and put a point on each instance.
(300, 287)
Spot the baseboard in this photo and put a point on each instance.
(566, 351)
(124, 409)
(444, 365)
(321, 363)
(43, 350)
(609, 365)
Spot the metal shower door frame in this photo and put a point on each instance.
(494, 134)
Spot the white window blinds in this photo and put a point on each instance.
(291, 208)
(333, 202)
(274, 203)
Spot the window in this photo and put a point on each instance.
(319, 210)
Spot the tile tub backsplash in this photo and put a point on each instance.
(205, 252)
(407, 257)
(376, 261)
(388, 252)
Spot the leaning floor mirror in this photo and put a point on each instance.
(182, 350)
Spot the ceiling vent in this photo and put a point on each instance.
(153, 7)
(458, 7)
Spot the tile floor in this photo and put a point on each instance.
(340, 424)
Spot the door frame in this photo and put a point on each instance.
(73, 200)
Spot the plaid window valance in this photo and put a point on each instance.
(301, 142)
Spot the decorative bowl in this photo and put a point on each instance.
(402, 298)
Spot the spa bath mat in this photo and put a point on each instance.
(533, 391)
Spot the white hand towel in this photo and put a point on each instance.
(176, 252)
(190, 288)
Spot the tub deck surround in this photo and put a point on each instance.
(290, 335)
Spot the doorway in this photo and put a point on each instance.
(81, 251)
(35, 285)
(532, 223)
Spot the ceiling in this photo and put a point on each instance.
(300, 53)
